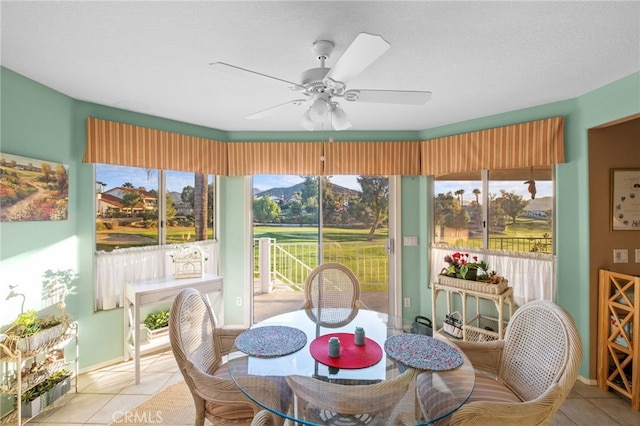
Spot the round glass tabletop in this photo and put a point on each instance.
(313, 393)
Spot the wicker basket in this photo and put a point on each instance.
(473, 285)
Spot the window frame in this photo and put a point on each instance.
(532, 275)
(114, 268)
(162, 203)
(485, 180)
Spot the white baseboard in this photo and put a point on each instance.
(590, 382)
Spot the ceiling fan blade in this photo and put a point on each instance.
(272, 110)
(256, 75)
(365, 49)
(405, 97)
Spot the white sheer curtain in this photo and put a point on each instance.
(114, 268)
(532, 275)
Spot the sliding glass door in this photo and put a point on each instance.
(300, 222)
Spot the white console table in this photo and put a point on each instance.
(153, 291)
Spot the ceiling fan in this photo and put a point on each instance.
(320, 88)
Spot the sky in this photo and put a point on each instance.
(115, 176)
(543, 189)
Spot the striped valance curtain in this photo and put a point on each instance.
(530, 144)
(110, 142)
(372, 158)
(255, 158)
(523, 145)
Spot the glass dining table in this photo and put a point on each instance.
(394, 378)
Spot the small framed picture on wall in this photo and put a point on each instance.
(625, 199)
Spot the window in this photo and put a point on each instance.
(130, 213)
(518, 217)
(458, 215)
(521, 210)
(141, 215)
(503, 216)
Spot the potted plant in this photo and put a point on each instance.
(465, 266)
(467, 271)
(43, 394)
(31, 332)
(157, 324)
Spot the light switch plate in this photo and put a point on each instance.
(620, 256)
(637, 255)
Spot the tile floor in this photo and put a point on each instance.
(103, 395)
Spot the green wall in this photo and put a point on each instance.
(40, 123)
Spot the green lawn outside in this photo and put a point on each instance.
(290, 234)
(126, 237)
(367, 259)
(514, 237)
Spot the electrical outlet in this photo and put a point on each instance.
(238, 301)
(407, 302)
(410, 241)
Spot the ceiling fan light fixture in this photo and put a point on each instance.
(339, 119)
(319, 109)
(306, 121)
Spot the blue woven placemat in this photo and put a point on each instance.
(271, 341)
(422, 352)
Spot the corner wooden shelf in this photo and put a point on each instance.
(618, 359)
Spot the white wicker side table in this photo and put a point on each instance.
(480, 327)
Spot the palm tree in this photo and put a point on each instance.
(100, 184)
(477, 193)
(200, 203)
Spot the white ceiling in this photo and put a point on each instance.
(478, 58)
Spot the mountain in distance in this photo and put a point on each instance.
(540, 204)
(288, 192)
(176, 196)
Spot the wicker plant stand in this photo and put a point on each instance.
(476, 326)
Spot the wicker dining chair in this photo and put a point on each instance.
(388, 402)
(333, 286)
(521, 380)
(264, 418)
(198, 347)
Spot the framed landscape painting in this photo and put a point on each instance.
(32, 189)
